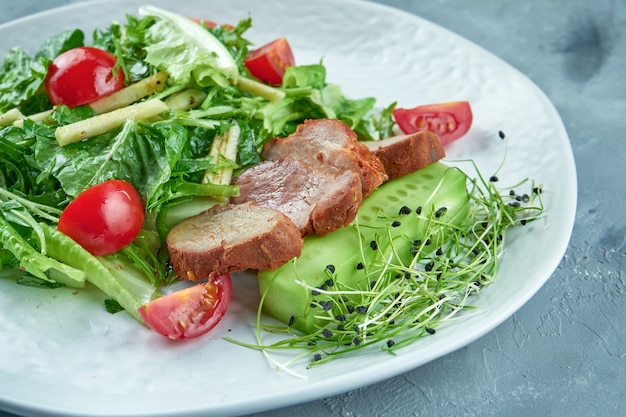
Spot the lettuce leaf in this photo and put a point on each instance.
(187, 51)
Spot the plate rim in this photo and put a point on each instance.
(571, 185)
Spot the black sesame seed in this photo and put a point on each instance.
(356, 329)
(413, 250)
(537, 190)
(327, 333)
(360, 265)
(514, 204)
(313, 304)
(292, 320)
(315, 291)
(350, 308)
(356, 341)
(404, 210)
(340, 327)
(501, 134)
(331, 268)
(523, 222)
(493, 178)
(317, 357)
(430, 330)
(429, 266)
(340, 317)
(329, 282)
(326, 305)
(418, 210)
(373, 245)
(440, 211)
(417, 242)
(525, 198)
(512, 193)
(428, 242)
(407, 275)
(390, 343)
(372, 284)
(361, 309)
(439, 252)
(395, 223)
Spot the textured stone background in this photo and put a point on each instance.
(564, 352)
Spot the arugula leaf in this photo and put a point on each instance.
(22, 76)
(127, 43)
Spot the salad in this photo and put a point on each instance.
(105, 147)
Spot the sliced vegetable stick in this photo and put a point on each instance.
(37, 117)
(103, 123)
(185, 100)
(10, 116)
(130, 94)
(224, 146)
(262, 90)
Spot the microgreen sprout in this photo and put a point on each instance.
(407, 292)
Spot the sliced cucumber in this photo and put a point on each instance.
(391, 232)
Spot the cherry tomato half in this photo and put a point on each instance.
(450, 121)
(210, 24)
(269, 62)
(190, 312)
(104, 218)
(81, 76)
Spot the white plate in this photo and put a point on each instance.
(61, 354)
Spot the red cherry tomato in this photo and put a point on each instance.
(190, 312)
(81, 76)
(269, 62)
(210, 23)
(450, 121)
(104, 218)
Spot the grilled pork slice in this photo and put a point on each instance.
(317, 201)
(402, 155)
(331, 146)
(230, 238)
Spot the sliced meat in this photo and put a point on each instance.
(331, 146)
(230, 238)
(317, 201)
(402, 155)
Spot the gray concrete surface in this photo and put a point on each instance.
(564, 352)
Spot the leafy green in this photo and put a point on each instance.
(22, 76)
(166, 158)
(34, 261)
(127, 43)
(187, 51)
(420, 247)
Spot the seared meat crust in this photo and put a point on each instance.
(317, 202)
(232, 238)
(402, 155)
(331, 146)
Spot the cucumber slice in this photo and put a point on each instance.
(396, 222)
